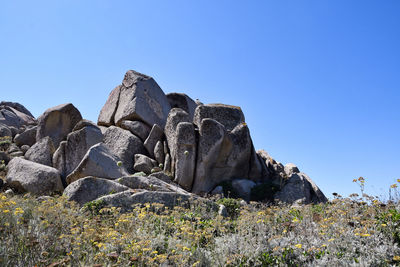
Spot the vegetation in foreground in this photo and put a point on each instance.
(55, 232)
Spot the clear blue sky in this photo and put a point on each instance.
(318, 81)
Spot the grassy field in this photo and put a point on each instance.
(54, 232)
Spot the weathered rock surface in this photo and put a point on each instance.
(175, 116)
(27, 137)
(186, 151)
(144, 164)
(290, 168)
(138, 98)
(4, 130)
(57, 122)
(124, 145)
(182, 101)
(90, 188)
(42, 152)
(221, 155)
(229, 116)
(27, 176)
(107, 113)
(156, 134)
(9, 118)
(99, 162)
(300, 189)
(125, 200)
(159, 155)
(71, 152)
(150, 183)
(137, 128)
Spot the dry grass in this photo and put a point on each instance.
(350, 231)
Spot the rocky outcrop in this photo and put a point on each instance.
(99, 162)
(123, 144)
(91, 188)
(27, 176)
(300, 189)
(42, 152)
(184, 146)
(57, 122)
(138, 98)
(71, 152)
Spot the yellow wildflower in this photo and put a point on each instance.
(298, 246)
(396, 258)
(332, 239)
(6, 211)
(383, 224)
(393, 186)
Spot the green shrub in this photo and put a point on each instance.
(232, 206)
(263, 192)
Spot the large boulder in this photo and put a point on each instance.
(300, 189)
(99, 162)
(150, 183)
(5, 130)
(156, 134)
(27, 176)
(9, 118)
(182, 101)
(27, 137)
(229, 116)
(125, 200)
(221, 155)
(124, 145)
(107, 113)
(91, 188)
(185, 156)
(137, 128)
(17, 106)
(243, 187)
(138, 98)
(144, 164)
(71, 152)
(42, 152)
(175, 116)
(57, 122)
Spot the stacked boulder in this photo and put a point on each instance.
(146, 146)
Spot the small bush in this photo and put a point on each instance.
(232, 206)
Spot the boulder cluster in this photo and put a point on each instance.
(146, 146)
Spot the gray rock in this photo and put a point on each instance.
(155, 135)
(24, 118)
(5, 130)
(4, 156)
(13, 148)
(243, 188)
(300, 189)
(125, 200)
(182, 101)
(90, 188)
(212, 135)
(162, 176)
(144, 164)
(9, 118)
(222, 211)
(57, 122)
(27, 176)
(186, 149)
(9, 192)
(107, 113)
(167, 164)
(15, 131)
(229, 116)
(41, 152)
(27, 137)
(218, 190)
(258, 170)
(124, 145)
(150, 183)
(141, 99)
(82, 124)
(99, 162)
(138, 128)
(159, 152)
(71, 152)
(16, 154)
(290, 168)
(16, 106)
(25, 148)
(175, 116)
(221, 155)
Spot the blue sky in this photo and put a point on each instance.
(318, 81)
